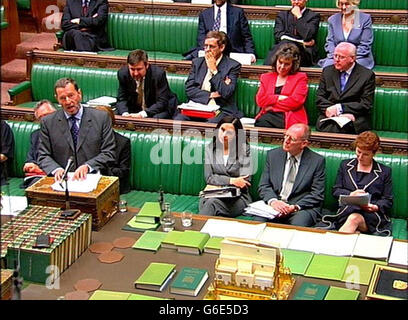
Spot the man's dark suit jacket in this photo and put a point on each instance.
(357, 97)
(240, 38)
(158, 96)
(32, 155)
(121, 167)
(73, 9)
(226, 68)
(308, 189)
(305, 28)
(95, 147)
(7, 146)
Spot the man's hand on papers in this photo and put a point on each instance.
(349, 116)
(283, 207)
(31, 167)
(331, 111)
(81, 172)
(240, 182)
(58, 174)
(214, 95)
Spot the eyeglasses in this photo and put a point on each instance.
(340, 57)
(291, 139)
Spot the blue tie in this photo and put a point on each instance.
(74, 130)
(343, 80)
(217, 22)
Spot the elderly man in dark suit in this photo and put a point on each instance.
(298, 23)
(31, 167)
(229, 19)
(144, 90)
(346, 92)
(75, 131)
(292, 182)
(83, 22)
(213, 78)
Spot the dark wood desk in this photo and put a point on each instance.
(121, 276)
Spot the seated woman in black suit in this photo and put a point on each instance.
(227, 163)
(121, 167)
(364, 175)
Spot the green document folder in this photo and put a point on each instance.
(134, 225)
(149, 213)
(336, 293)
(297, 261)
(109, 295)
(150, 240)
(327, 267)
(192, 241)
(189, 281)
(155, 276)
(311, 291)
(359, 270)
(213, 245)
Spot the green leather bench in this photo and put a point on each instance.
(167, 37)
(182, 180)
(365, 4)
(96, 82)
(3, 22)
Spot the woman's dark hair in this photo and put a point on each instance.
(238, 127)
(287, 51)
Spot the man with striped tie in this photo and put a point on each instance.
(83, 23)
(229, 19)
(83, 133)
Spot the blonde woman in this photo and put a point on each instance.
(350, 25)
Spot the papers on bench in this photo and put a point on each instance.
(211, 191)
(399, 253)
(369, 246)
(358, 200)
(242, 58)
(284, 37)
(232, 229)
(12, 205)
(87, 185)
(195, 106)
(102, 101)
(261, 209)
(340, 120)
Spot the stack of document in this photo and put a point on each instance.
(261, 209)
(232, 229)
(88, 185)
(102, 101)
(220, 192)
(191, 105)
(357, 200)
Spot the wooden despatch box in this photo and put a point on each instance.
(102, 203)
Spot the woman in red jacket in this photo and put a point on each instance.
(283, 91)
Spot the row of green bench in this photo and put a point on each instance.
(364, 4)
(182, 180)
(168, 37)
(389, 115)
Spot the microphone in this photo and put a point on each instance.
(67, 167)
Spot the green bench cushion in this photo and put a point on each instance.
(367, 4)
(96, 82)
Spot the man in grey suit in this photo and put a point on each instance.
(292, 182)
(84, 133)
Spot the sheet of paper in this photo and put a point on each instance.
(104, 101)
(370, 246)
(276, 236)
(232, 229)
(284, 37)
(242, 58)
(341, 121)
(191, 105)
(260, 208)
(337, 244)
(12, 205)
(201, 2)
(399, 253)
(306, 241)
(87, 185)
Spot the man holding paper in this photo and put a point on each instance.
(85, 134)
(300, 26)
(346, 93)
(292, 182)
(360, 176)
(213, 78)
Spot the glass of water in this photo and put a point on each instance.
(186, 219)
(167, 221)
(122, 206)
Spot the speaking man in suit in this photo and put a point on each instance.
(346, 90)
(144, 90)
(213, 78)
(298, 23)
(75, 131)
(83, 23)
(229, 19)
(293, 179)
(31, 167)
